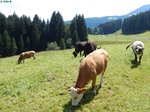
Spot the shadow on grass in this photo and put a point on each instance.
(134, 63)
(87, 98)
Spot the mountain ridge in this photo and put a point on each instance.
(93, 22)
(100, 20)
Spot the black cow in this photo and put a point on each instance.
(79, 48)
(86, 46)
(90, 46)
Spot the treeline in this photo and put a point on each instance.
(109, 27)
(137, 23)
(18, 34)
(132, 25)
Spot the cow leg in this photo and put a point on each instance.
(140, 59)
(33, 57)
(80, 53)
(101, 80)
(85, 54)
(94, 85)
(135, 57)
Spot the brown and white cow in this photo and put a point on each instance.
(24, 55)
(92, 65)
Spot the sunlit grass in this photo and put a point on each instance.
(41, 85)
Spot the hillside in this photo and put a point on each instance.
(95, 21)
(41, 85)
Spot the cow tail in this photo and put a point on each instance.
(128, 46)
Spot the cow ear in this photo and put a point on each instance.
(81, 90)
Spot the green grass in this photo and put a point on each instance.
(41, 85)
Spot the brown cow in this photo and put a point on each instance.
(92, 65)
(25, 55)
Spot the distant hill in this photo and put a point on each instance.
(139, 10)
(95, 21)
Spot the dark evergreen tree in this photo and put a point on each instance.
(17, 31)
(35, 38)
(43, 42)
(78, 29)
(21, 45)
(56, 28)
(81, 28)
(75, 37)
(2, 23)
(110, 27)
(13, 46)
(24, 30)
(137, 23)
(6, 41)
(1, 47)
(27, 42)
(52, 28)
(47, 32)
(73, 31)
(10, 26)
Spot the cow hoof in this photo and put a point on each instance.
(99, 86)
(95, 92)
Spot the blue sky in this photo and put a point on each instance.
(69, 8)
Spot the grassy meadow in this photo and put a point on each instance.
(41, 85)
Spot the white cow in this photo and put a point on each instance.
(138, 48)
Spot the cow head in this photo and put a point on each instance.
(76, 94)
(19, 59)
(75, 54)
(139, 50)
(77, 47)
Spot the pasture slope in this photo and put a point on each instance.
(41, 85)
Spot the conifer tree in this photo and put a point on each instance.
(78, 29)
(2, 23)
(75, 37)
(81, 28)
(1, 47)
(5, 44)
(57, 28)
(13, 46)
(52, 28)
(21, 45)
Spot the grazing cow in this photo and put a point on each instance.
(25, 55)
(138, 48)
(92, 65)
(86, 46)
(90, 46)
(79, 48)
